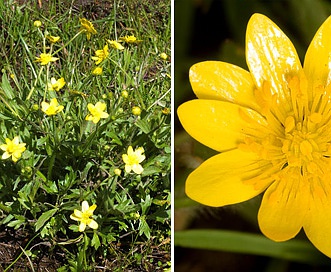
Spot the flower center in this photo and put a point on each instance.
(300, 144)
(298, 135)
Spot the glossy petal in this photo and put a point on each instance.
(318, 226)
(270, 55)
(220, 180)
(85, 206)
(82, 227)
(317, 63)
(137, 168)
(93, 224)
(223, 81)
(219, 125)
(283, 208)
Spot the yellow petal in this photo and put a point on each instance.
(93, 224)
(221, 179)
(85, 206)
(219, 125)
(92, 208)
(270, 55)
(317, 63)
(223, 81)
(82, 227)
(283, 208)
(318, 226)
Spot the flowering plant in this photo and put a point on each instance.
(64, 128)
(271, 125)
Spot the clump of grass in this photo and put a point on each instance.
(76, 116)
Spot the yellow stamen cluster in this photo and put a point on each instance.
(297, 128)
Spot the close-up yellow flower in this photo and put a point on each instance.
(97, 71)
(51, 108)
(84, 216)
(133, 159)
(101, 55)
(53, 39)
(56, 85)
(130, 39)
(44, 59)
(115, 45)
(97, 112)
(272, 126)
(87, 28)
(13, 148)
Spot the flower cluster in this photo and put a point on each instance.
(50, 106)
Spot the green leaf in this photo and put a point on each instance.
(8, 90)
(239, 242)
(144, 125)
(144, 228)
(44, 218)
(95, 242)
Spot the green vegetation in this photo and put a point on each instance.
(73, 151)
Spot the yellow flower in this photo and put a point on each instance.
(130, 39)
(87, 27)
(96, 112)
(53, 39)
(164, 56)
(133, 159)
(97, 71)
(136, 111)
(45, 58)
(125, 94)
(101, 55)
(12, 149)
(166, 111)
(56, 85)
(51, 108)
(115, 45)
(117, 172)
(37, 23)
(84, 216)
(272, 126)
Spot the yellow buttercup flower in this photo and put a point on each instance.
(133, 159)
(45, 58)
(125, 94)
(97, 71)
(53, 39)
(115, 45)
(13, 148)
(56, 85)
(117, 172)
(164, 56)
(87, 27)
(272, 126)
(130, 39)
(101, 55)
(84, 216)
(37, 23)
(166, 111)
(136, 111)
(97, 112)
(51, 108)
